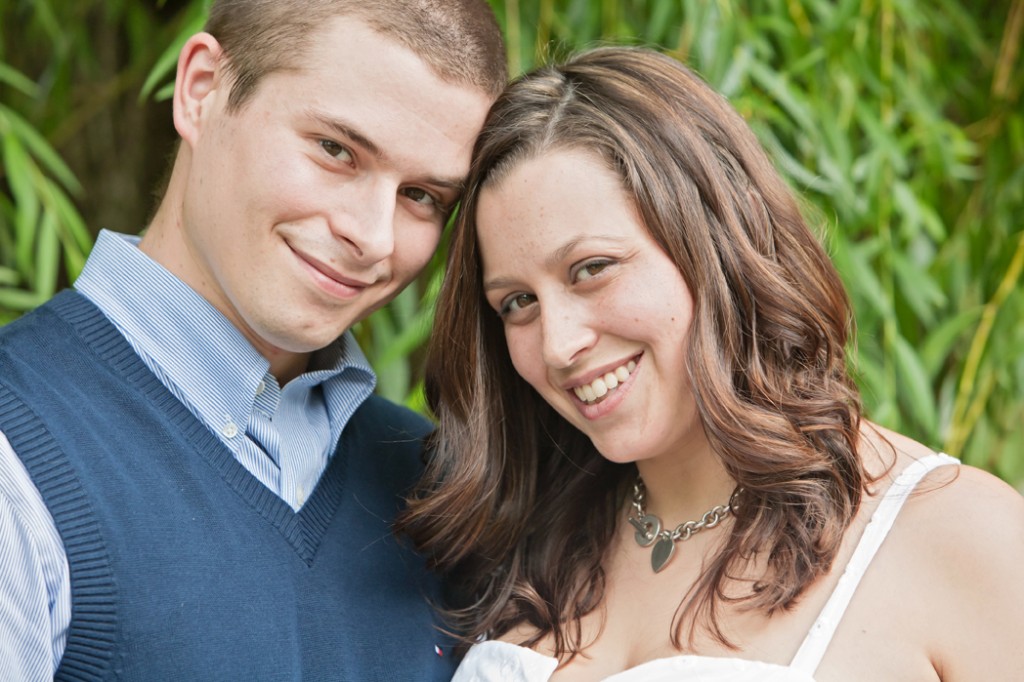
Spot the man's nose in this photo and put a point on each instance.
(368, 222)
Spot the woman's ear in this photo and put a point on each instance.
(199, 78)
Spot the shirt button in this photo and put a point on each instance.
(260, 387)
(299, 495)
(229, 430)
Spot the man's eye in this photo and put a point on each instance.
(421, 196)
(336, 150)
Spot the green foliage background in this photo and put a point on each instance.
(898, 121)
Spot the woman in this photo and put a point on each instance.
(651, 461)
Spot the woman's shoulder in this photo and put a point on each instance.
(958, 545)
(972, 518)
(960, 505)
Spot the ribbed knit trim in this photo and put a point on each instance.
(90, 645)
(304, 530)
(89, 653)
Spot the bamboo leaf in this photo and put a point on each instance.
(9, 276)
(74, 232)
(780, 90)
(939, 342)
(737, 72)
(412, 336)
(788, 165)
(41, 149)
(870, 377)
(47, 256)
(884, 145)
(918, 288)
(915, 387)
(19, 299)
(20, 169)
(1012, 468)
(17, 80)
(852, 261)
(168, 59)
(658, 23)
(417, 400)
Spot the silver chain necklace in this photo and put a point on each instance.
(649, 529)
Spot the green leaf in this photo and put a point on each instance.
(41, 149)
(658, 23)
(1008, 467)
(737, 73)
(74, 233)
(167, 61)
(20, 170)
(870, 377)
(417, 400)
(852, 260)
(782, 92)
(939, 342)
(916, 391)
(918, 288)
(19, 299)
(801, 176)
(412, 336)
(47, 256)
(164, 93)
(16, 80)
(9, 276)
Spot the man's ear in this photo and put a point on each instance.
(200, 75)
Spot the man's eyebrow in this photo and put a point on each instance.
(345, 130)
(456, 184)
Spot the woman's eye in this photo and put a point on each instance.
(339, 152)
(591, 268)
(514, 304)
(421, 196)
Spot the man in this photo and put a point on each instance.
(195, 482)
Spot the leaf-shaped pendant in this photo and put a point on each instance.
(662, 553)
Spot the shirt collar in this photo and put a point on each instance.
(197, 349)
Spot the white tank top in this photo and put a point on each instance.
(494, 661)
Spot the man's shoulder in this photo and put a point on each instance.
(394, 418)
(40, 320)
(24, 339)
(26, 324)
(389, 440)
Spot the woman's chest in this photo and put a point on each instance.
(879, 634)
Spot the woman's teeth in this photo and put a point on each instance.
(599, 388)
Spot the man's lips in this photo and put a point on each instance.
(330, 273)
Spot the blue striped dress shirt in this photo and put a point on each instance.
(283, 435)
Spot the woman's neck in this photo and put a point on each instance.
(683, 487)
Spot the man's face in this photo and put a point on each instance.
(326, 194)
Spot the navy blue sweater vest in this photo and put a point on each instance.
(185, 567)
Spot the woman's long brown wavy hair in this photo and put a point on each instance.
(517, 507)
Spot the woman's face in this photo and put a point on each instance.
(596, 315)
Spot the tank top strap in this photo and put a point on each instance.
(809, 656)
